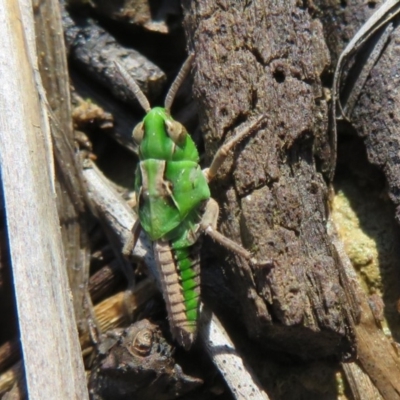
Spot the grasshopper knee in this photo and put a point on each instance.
(210, 216)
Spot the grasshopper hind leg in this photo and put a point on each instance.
(208, 225)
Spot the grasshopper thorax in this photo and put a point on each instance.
(160, 137)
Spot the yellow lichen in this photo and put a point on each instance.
(364, 218)
(360, 247)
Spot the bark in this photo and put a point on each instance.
(368, 104)
(341, 21)
(375, 114)
(267, 57)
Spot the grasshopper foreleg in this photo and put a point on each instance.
(129, 245)
(131, 241)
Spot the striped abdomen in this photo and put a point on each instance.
(179, 271)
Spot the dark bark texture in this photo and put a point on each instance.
(267, 57)
(376, 116)
(373, 113)
(341, 21)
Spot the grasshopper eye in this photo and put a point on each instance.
(176, 131)
(138, 133)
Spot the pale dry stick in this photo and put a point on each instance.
(382, 16)
(30, 38)
(121, 218)
(226, 358)
(49, 339)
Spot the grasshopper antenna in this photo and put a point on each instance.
(133, 87)
(169, 99)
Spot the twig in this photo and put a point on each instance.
(224, 355)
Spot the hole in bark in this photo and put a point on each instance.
(224, 112)
(391, 115)
(343, 4)
(371, 4)
(254, 99)
(279, 75)
(327, 78)
(303, 6)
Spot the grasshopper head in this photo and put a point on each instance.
(160, 137)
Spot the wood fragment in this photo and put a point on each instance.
(94, 50)
(363, 97)
(268, 58)
(115, 311)
(353, 91)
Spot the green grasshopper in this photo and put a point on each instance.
(174, 204)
